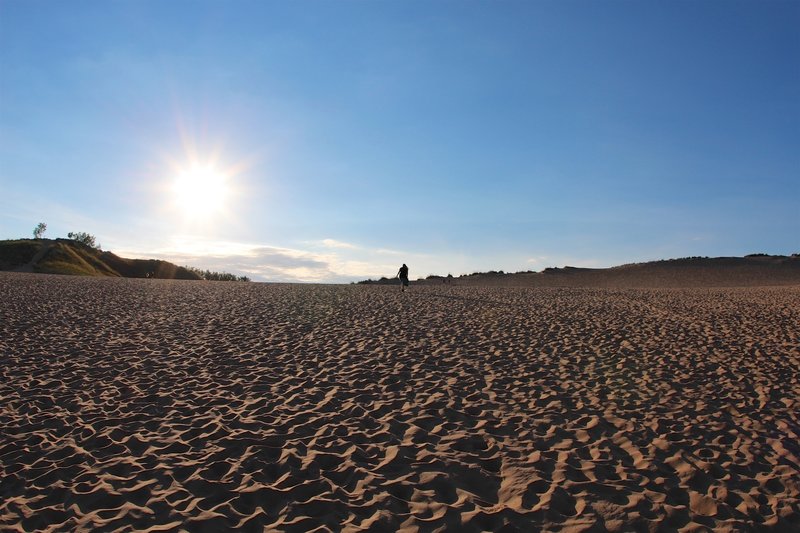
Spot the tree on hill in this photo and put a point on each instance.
(84, 238)
(39, 230)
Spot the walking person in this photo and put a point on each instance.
(403, 275)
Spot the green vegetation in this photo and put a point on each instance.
(39, 230)
(209, 275)
(81, 256)
(65, 258)
(84, 238)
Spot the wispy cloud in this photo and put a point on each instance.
(333, 243)
(338, 263)
(538, 260)
(385, 251)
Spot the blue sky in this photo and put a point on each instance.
(353, 136)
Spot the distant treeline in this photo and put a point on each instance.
(770, 255)
(387, 281)
(209, 275)
(697, 259)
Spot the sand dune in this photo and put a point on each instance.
(690, 272)
(156, 405)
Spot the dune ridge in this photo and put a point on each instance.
(159, 405)
(758, 270)
(70, 257)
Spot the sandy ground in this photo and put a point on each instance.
(164, 406)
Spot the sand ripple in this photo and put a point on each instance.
(156, 405)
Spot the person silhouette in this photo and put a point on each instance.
(403, 275)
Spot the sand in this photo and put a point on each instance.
(156, 405)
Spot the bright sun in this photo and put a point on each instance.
(200, 191)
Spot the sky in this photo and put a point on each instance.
(333, 140)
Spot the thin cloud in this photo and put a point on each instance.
(386, 251)
(338, 264)
(333, 243)
(264, 262)
(538, 260)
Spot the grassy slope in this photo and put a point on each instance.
(139, 268)
(17, 253)
(73, 258)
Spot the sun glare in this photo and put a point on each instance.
(200, 191)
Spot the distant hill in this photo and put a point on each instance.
(750, 271)
(65, 256)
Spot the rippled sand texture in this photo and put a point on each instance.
(157, 405)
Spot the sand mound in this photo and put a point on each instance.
(158, 405)
(691, 272)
